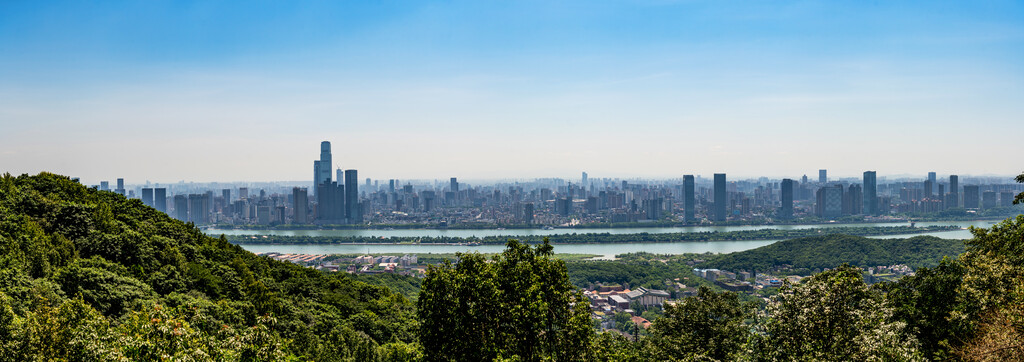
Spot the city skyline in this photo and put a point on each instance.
(233, 91)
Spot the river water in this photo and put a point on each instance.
(606, 250)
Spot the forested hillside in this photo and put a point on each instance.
(91, 275)
(830, 251)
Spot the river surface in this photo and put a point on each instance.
(606, 250)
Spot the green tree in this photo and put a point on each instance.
(833, 316)
(519, 305)
(925, 302)
(706, 326)
(992, 293)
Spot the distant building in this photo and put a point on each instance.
(647, 297)
(933, 180)
(830, 202)
(853, 201)
(953, 200)
(181, 207)
(1006, 198)
(160, 199)
(823, 176)
(720, 197)
(870, 190)
(322, 167)
(300, 206)
(353, 212)
(971, 197)
(653, 208)
(988, 200)
(786, 212)
(330, 203)
(120, 186)
(147, 196)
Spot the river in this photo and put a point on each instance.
(606, 250)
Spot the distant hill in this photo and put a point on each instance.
(88, 275)
(830, 251)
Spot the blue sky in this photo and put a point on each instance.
(206, 90)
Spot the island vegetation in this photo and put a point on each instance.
(596, 238)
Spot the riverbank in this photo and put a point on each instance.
(592, 238)
(629, 225)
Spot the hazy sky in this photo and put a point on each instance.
(225, 91)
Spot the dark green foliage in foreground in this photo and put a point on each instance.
(91, 275)
(830, 251)
(708, 325)
(518, 304)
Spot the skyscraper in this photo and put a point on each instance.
(829, 202)
(689, 202)
(322, 167)
(870, 193)
(455, 185)
(971, 197)
(300, 206)
(120, 186)
(720, 197)
(931, 177)
(954, 192)
(787, 199)
(353, 213)
(583, 180)
(160, 199)
(928, 185)
(823, 176)
(181, 207)
(330, 203)
(147, 196)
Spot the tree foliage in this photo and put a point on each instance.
(92, 275)
(520, 304)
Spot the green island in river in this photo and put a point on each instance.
(596, 238)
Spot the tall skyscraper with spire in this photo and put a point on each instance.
(322, 167)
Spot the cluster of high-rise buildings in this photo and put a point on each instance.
(335, 197)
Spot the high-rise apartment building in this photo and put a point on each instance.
(829, 203)
(988, 200)
(300, 206)
(954, 192)
(870, 191)
(786, 212)
(353, 211)
(181, 207)
(720, 197)
(160, 199)
(934, 181)
(689, 198)
(147, 196)
(971, 197)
